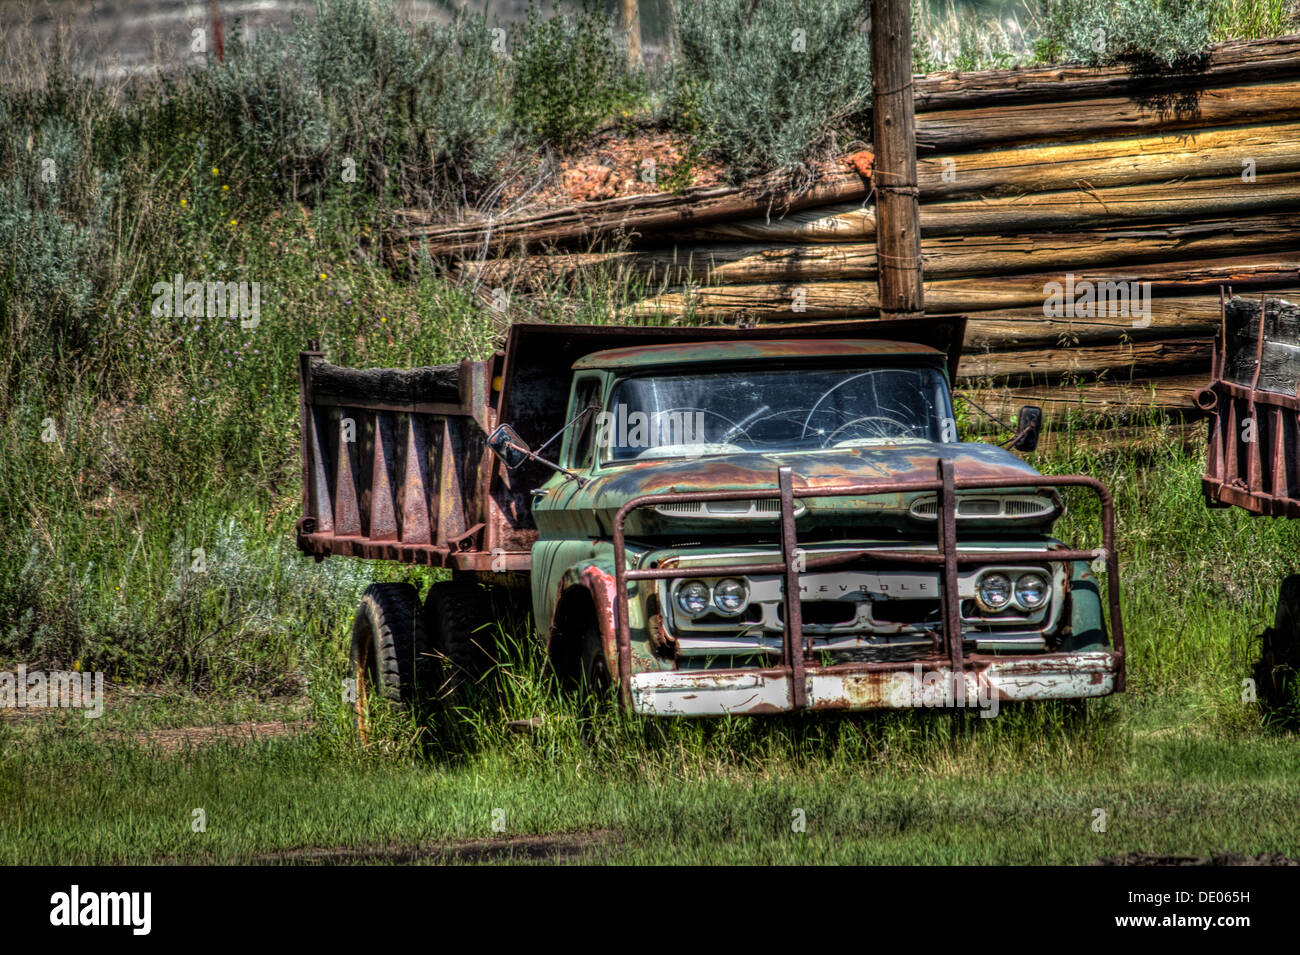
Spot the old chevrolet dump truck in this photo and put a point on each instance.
(707, 521)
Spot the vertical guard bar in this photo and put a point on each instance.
(1112, 581)
(948, 558)
(951, 600)
(794, 639)
(622, 628)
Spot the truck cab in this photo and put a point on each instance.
(683, 447)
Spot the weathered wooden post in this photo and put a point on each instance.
(893, 133)
(632, 26)
(218, 34)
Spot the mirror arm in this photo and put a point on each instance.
(533, 456)
(576, 418)
(1015, 439)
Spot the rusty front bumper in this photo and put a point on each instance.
(798, 684)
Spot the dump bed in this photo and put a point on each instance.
(395, 463)
(1253, 456)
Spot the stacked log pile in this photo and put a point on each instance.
(1031, 181)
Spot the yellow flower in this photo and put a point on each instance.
(183, 202)
(233, 223)
(383, 319)
(322, 276)
(225, 188)
(215, 171)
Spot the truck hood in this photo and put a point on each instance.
(589, 511)
(910, 462)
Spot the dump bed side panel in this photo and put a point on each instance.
(395, 466)
(1253, 454)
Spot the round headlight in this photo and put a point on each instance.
(693, 598)
(730, 596)
(1031, 591)
(994, 592)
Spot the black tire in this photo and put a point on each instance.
(458, 615)
(595, 681)
(392, 657)
(1277, 673)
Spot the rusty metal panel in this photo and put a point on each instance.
(390, 476)
(1253, 446)
(690, 353)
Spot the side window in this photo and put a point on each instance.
(586, 394)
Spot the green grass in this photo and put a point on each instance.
(875, 789)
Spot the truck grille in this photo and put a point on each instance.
(1002, 507)
(751, 509)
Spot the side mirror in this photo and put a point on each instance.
(1030, 420)
(506, 444)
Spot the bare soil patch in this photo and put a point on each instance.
(171, 740)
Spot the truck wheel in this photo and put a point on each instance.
(595, 679)
(391, 655)
(458, 615)
(1277, 674)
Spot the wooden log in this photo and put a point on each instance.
(841, 222)
(1090, 208)
(816, 300)
(1079, 203)
(1211, 153)
(1112, 400)
(386, 386)
(969, 255)
(1192, 316)
(943, 256)
(1187, 433)
(1143, 359)
(1224, 64)
(955, 130)
(628, 216)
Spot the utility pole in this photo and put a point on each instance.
(632, 26)
(893, 134)
(218, 34)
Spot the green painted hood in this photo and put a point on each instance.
(568, 510)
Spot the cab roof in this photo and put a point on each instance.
(694, 353)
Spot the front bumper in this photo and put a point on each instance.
(984, 685)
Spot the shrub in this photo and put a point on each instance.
(570, 74)
(773, 84)
(1149, 34)
(54, 212)
(409, 107)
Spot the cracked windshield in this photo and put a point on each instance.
(780, 410)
